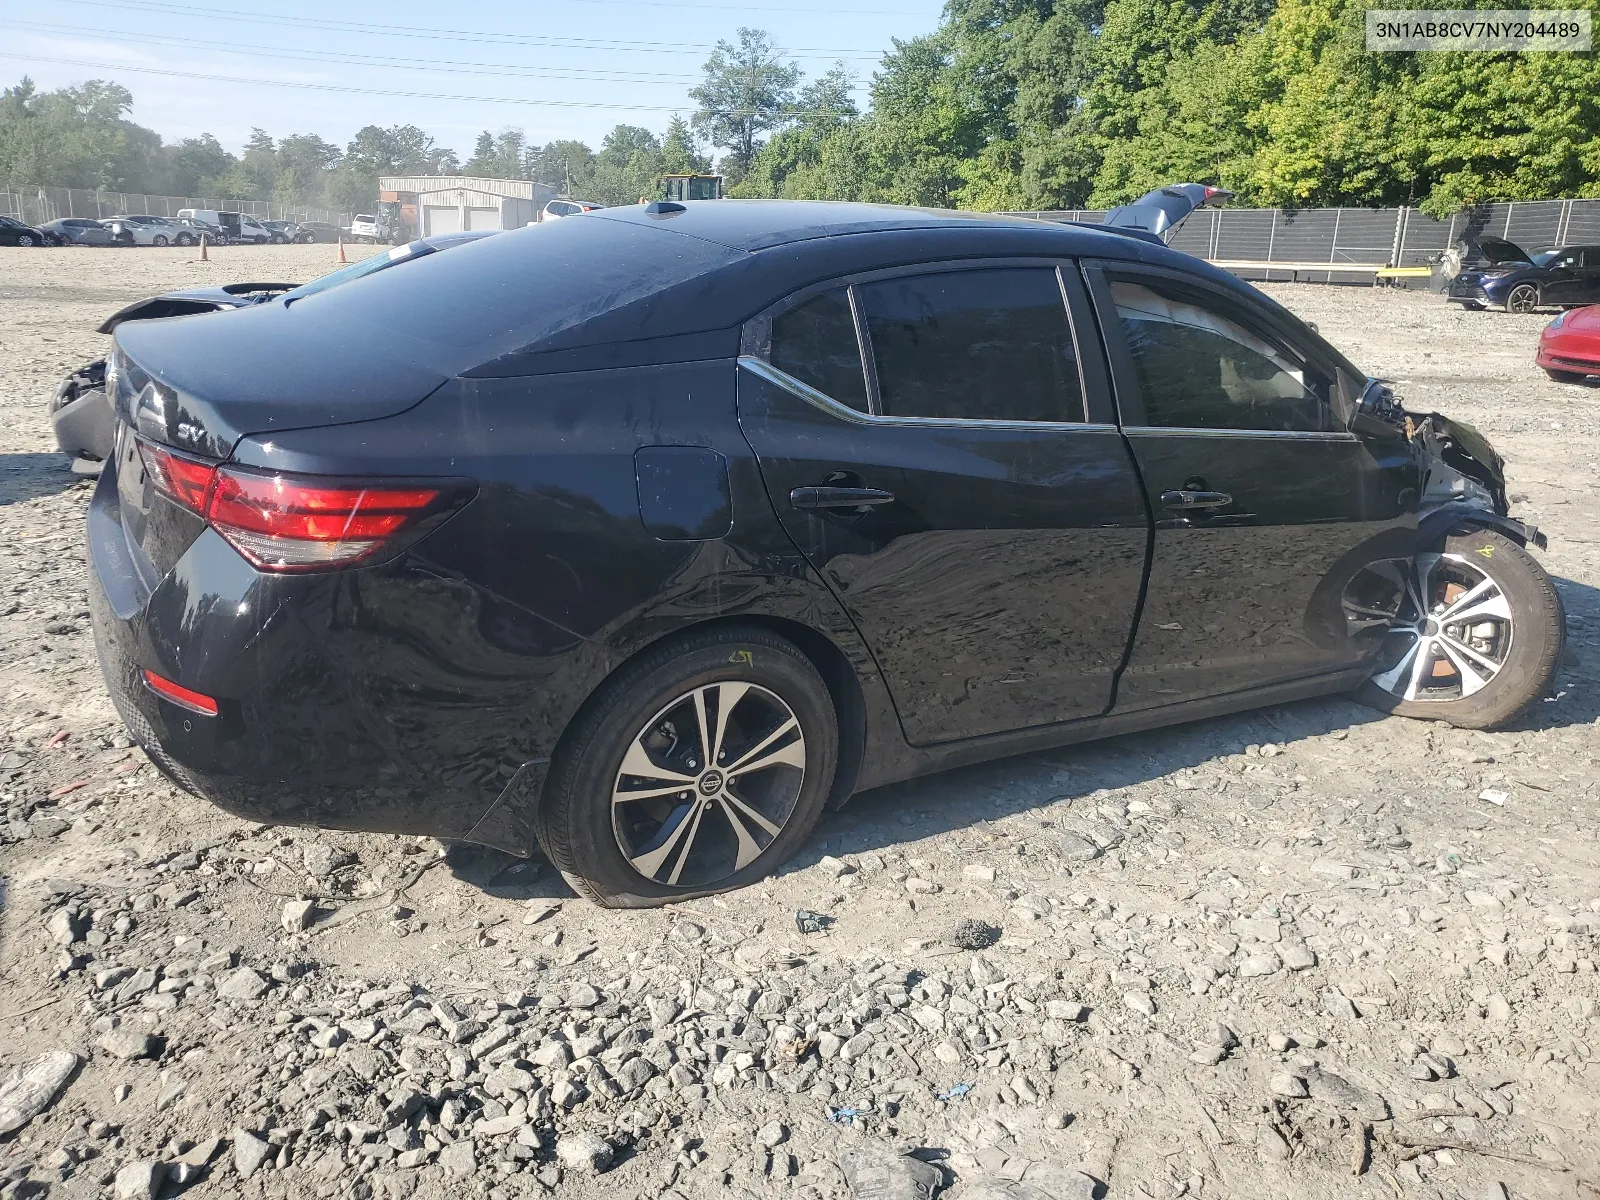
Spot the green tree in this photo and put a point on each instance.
(196, 165)
(746, 91)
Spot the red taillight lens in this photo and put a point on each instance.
(185, 480)
(194, 701)
(286, 522)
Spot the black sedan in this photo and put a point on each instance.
(16, 233)
(643, 538)
(1496, 273)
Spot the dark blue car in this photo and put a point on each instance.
(1502, 274)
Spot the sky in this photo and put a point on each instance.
(567, 69)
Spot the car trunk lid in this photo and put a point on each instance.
(189, 388)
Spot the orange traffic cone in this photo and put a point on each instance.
(342, 258)
(204, 257)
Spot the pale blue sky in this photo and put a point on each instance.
(476, 64)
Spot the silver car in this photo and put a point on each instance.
(142, 230)
(78, 231)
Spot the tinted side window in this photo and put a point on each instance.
(816, 343)
(1198, 369)
(989, 345)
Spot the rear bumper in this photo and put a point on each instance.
(337, 705)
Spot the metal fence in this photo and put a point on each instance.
(1395, 237)
(36, 205)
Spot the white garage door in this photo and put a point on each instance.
(440, 219)
(483, 218)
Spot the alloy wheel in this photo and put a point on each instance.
(1449, 629)
(708, 784)
(1524, 298)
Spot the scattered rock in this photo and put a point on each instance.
(140, 1180)
(296, 917)
(129, 1044)
(29, 1090)
(249, 1152)
(972, 934)
(586, 1153)
(244, 984)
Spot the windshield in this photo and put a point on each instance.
(367, 266)
(1544, 257)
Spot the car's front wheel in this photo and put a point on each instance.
(160, 239)
(1523, 298)
(183, 239)
(697, 768)
(25, 239)
(1475, 631)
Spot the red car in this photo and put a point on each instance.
(1569, 347)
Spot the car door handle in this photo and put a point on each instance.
(1185, 500)
(839, 497)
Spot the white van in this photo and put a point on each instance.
(236, 226)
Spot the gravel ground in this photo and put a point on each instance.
(1309, 951)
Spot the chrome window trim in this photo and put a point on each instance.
(829, 405)
(1326, 435)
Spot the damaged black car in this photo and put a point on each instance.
(640, 540)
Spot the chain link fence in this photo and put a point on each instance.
(1372, 237)
(36, 205)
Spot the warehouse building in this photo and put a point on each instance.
(430, 204)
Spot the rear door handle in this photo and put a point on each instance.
(839, 497)
(1185, 500)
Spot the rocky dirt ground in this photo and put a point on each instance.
(1311, 951)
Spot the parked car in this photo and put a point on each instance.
(14, 233)
(197, 228)
(282, 231)
(85, 427)
(235, 226)
(641, 539)
(146, 230)
(317, 231)
(1502, 274)
(368, 228)
(1569, 347)
(77, 231)
(568, 208)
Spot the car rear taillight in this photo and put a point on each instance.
(289, 522)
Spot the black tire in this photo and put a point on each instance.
(1564, 376)
(24, 239)
(1523, 298)
(183, 239)
(1472, 306)
(160, 239)
(1537, 639)
(574, 823)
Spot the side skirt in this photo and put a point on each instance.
(927, 760)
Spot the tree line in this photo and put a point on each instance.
(1007, 104)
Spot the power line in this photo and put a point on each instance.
(596, 74)
(461, 35)
(392, 62)
(360, 91)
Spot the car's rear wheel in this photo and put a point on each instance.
(697, 768)
(1564, 376)
(1475, 631)
(1523, 298)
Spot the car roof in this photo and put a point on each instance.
(567, 295)
(753, 225)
